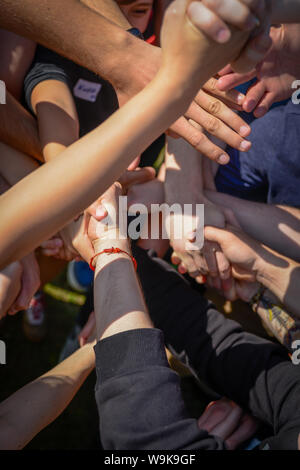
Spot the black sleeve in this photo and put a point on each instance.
(254, 372)
(139, 398)
(47, 65)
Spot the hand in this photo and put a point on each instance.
(225, 419)
(213, 117)
(244, 253)
(210, 16)
(209, 260)
(186, 49)
(88, 333)
(10, 285)
(30, 282)
(73, 242)
(275, 74)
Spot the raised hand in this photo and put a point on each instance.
(275, 74)
(211, 17)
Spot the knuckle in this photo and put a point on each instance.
(211, 85)
(212, 125)
(214, 107)
(196, 140)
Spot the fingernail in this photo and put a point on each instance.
(249, 105)
(240, 98)
(245, 145)
(100, 211)
(223, 159)
(244, 131)
(223, 35)
(260, 112)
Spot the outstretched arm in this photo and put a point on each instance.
(93, 163)
(275, 226)
(29, 410)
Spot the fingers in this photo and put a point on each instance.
(233, 98)
(254, 96)
(208, 22)
(212, 121)
(253, 53)
(138, 176)
(199, 141)
(235, 12)
(227, 426)
(52, 247)
(134, 164)
(210, 16)
(231, 80)
(219, 110)
(264, 105)
(97, 210)
(246, 429)
(221, 418)
(87, 330)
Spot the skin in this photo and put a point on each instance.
(45, 399)
(116, 312)
(129, 68)
(251, 261)
(274, 75)
(95, 161)
(18, 128)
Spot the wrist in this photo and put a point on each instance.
(106, 244)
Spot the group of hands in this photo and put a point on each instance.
(270, 57)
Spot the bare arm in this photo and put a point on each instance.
(110, 10)
(29, 410)
(15, 165)
(87, 168)
(57, 117)
(18, 128)
(16, 55)
(276, 226)
(108, 50)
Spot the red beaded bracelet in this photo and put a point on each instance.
(113, 250)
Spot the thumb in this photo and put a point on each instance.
(97, 210)
(138, 176)
(214, 234)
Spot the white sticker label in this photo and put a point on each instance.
(86, 90)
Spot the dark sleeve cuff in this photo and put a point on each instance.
(129, 351)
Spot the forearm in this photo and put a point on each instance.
(183, 180)
(35, 406)
(119, 305)
(15, 165)
(90, 165)
(19, 129)
(57, 117)
(110, 10)
(286, 11)
(282, 277)
(103, 47)
(282, 234)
